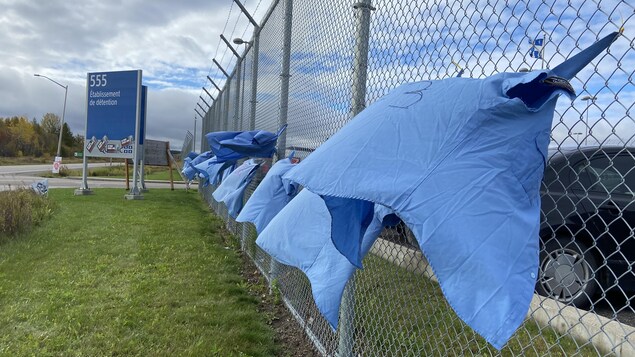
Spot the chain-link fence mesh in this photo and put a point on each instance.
(394, 307)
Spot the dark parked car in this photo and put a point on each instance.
(587, 224)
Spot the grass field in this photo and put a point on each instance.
(119, 171)
(106, 276)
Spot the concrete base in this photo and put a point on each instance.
(131, 196)
(83, 192)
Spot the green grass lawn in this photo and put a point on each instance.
(106, 276)
(421, 320)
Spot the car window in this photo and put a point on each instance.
(607, 175)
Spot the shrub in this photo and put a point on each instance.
(20, 210)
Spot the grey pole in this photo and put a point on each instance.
(194, 141)
(358, 103)
(135, 192)
(360, 65)
(238, 72)
(214, 125)
(274, 265)
(254, 80)
(254, 66)
(284, 76)
(59, 140)
(227, 91)
(589, 100)
(83, 189)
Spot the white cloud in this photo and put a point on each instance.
(172, 42)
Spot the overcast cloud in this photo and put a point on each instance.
(173, 42)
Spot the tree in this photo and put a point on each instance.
(4, 138)
(21, 137)
(51, 123)
(68, 140)
(23, 134)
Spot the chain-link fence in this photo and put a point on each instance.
(320, 62)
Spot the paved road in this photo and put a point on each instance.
(32, 169)
(24, 175)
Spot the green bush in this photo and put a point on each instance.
(20, 210)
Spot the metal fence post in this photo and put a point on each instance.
(284, 98)
(254, 65)
(358, 103)
(254, 80)
(238, 72)
(227, 90)
(285, 76)
(237, 100)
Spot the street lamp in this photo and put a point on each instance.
(59, 141)
(577, 135)
(240, 41)
(590, 100)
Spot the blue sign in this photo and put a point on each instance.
(113, 113)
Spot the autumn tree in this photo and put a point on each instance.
(51, 123)
(22, 134)
(21, 137)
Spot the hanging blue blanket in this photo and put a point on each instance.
(271, 195)
(306, 244)
(460, 161)
(211, 171)
(234, 145)
(189, 171)
(232, 189)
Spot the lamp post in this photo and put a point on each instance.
(59, 140)
(590, 100)
(577, 135)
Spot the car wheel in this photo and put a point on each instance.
(567, 272)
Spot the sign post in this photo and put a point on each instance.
(113, 112)
(142, 137)
(57, 164)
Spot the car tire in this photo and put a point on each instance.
(567, 272)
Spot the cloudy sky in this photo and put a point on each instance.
(172, 42)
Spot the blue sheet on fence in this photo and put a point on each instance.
(234, 145)
(460, 161)
(232, 190)
(300, 236)
(189, 171)
(271, 195)
(212, 172)
(192, 155)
